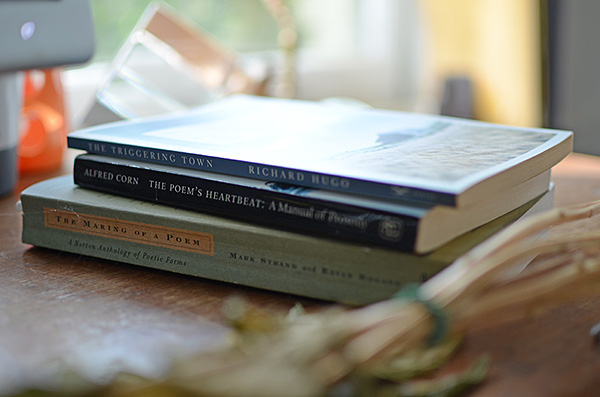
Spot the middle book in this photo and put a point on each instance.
(407, 227)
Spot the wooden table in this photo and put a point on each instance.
(100, 316)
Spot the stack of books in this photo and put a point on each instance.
(323, 200)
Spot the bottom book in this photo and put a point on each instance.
(59, 215)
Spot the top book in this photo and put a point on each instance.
(380, 153)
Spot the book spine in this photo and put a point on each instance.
(208, 247)
(272, 208)
(264, 172)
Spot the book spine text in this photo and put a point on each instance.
(263, 172)
(261, 206)
(208, 249)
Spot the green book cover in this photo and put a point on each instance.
(59, 215)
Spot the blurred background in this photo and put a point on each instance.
(518, 62)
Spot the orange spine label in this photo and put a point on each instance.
(135, 232)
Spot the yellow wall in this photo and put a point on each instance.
(497, 44)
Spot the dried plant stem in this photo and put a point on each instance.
(317, 350)
(472, 272)
(466, 288)
(553, 283)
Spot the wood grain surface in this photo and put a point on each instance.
(100, 317)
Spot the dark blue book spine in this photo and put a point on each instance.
(273, 208)
(264, 172)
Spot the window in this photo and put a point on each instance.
(245, 25)
(368, 50)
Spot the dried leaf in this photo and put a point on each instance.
(448, 386)
(417, 361)
(247, 319)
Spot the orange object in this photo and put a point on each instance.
(43, 122)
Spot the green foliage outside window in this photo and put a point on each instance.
(244, 25)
